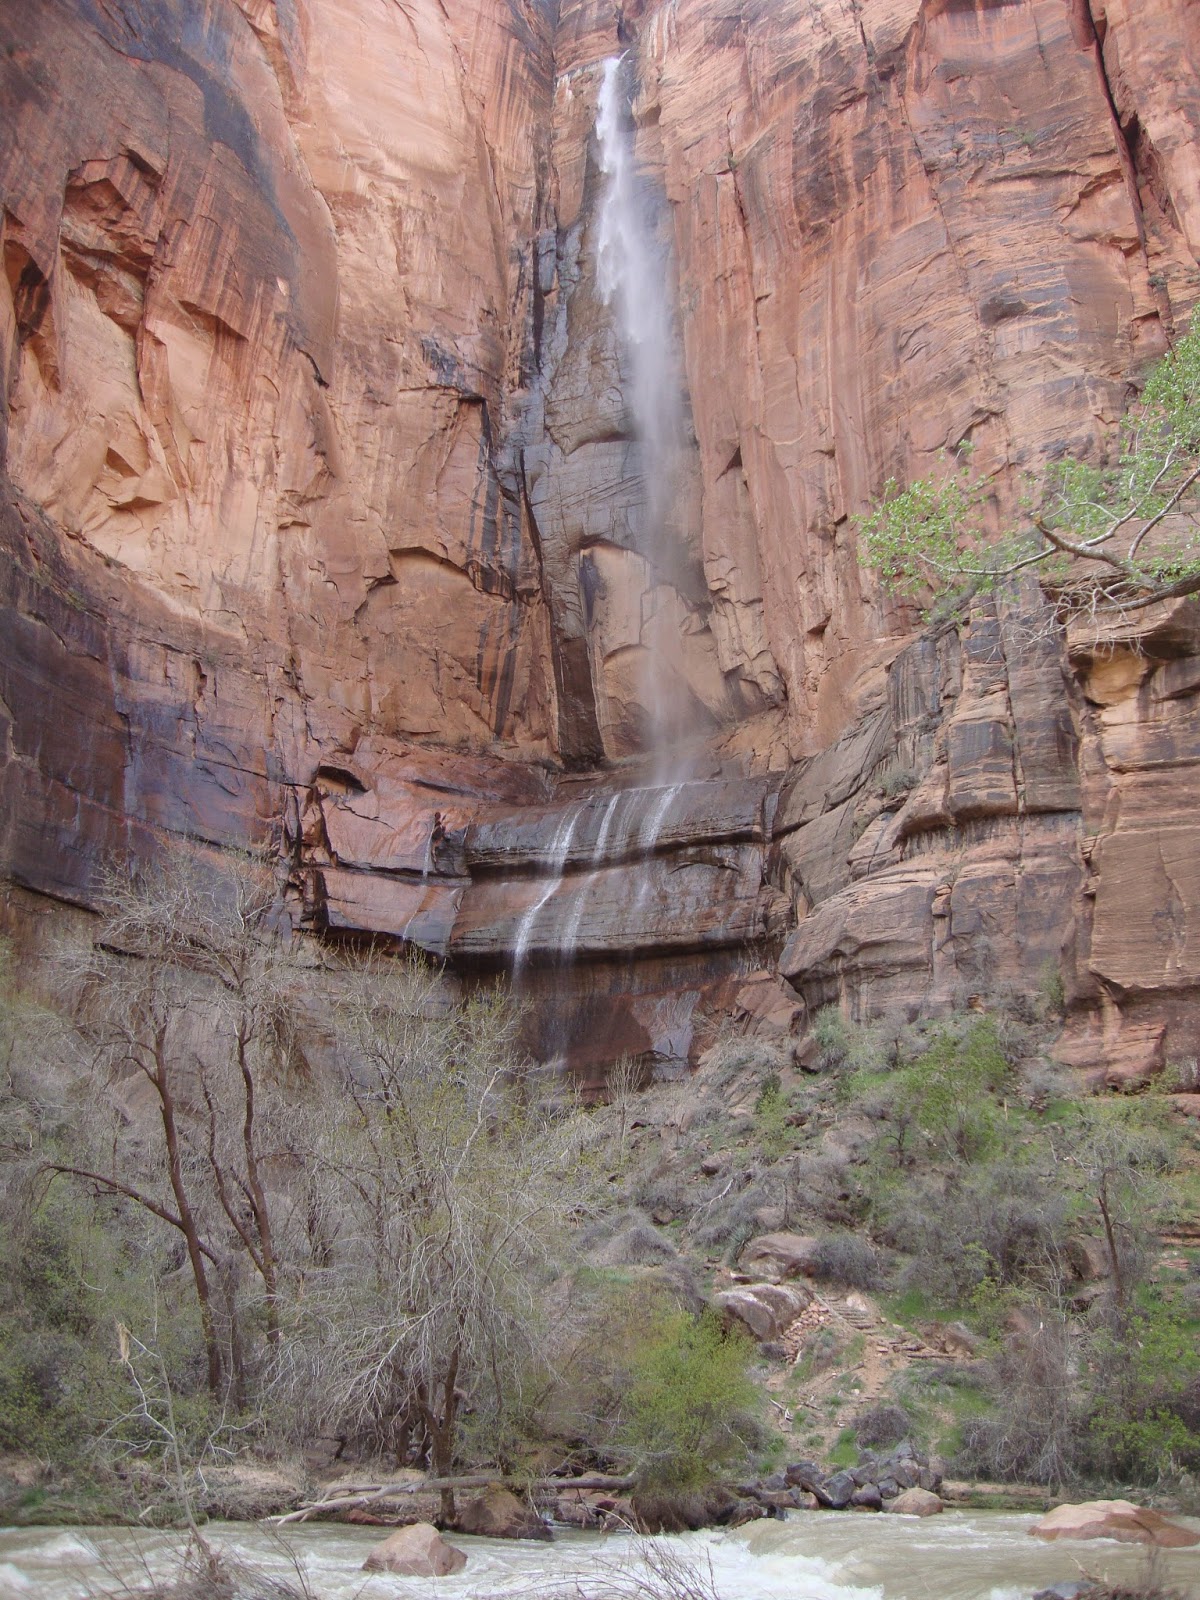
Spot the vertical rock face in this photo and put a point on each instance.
(325, 510)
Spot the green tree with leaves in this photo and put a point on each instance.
(690, 1407)
(1144, 1380)
(1116, 537)
(948, 1091)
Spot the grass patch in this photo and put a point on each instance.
(909, 1308)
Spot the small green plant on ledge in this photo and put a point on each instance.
(1100, 539)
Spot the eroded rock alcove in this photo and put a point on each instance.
(324, 513)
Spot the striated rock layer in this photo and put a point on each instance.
(323, 512)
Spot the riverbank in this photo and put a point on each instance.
(33, 1495)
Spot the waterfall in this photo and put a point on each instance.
(587, 879)
(658, 816)
(650, 840)
(633, 277)
(560, 846)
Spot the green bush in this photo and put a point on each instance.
(71, 1268)
(772, 1125)
(832, 1036)
(935, 533)
(691, 1404)
(1144, 1373)
(948, 1089)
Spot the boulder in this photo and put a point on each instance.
(618, 1516)
(418, 1551)
(576, 1511)
(916, 1503)
(766, 1309)
(498, 1514)
(1114, 1519)
(835, 1493)
(777, 1500)
(959, 1340)
(867, 1498)
(802, 1474)
(781, 1255)
(1089, 1259)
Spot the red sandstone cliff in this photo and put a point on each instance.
(321, 505)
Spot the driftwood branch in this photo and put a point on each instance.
(371, 1494)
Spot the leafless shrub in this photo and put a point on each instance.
(824, 1185)
(664, 1189)
(735, 1054)
(882, 1425)
(1036, 1436)
(1002, 1223)
(849, 1260)
(729, 1220)
(649, 1569)
(1150, 1584)
(202, 1573)
(627, 1239)
(187, 991)
(459, 1178)
(623, 1083)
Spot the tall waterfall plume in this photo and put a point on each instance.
(633, 279)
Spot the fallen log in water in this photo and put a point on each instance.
(373, 1493)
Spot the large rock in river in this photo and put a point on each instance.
(916, 1503)
(498, 1514)
(418, 1551)
(1113, 1519)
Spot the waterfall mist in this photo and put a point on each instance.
(633, 276)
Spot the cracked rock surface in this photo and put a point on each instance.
(321, 500)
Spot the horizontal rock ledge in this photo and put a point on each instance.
(692, 900)
(619, 824)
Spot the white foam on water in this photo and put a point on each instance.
(810, 1556)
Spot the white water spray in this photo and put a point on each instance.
(632, 278)
(649, 841)
(587, 879)
(560, 846)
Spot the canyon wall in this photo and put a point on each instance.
(324, 515)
